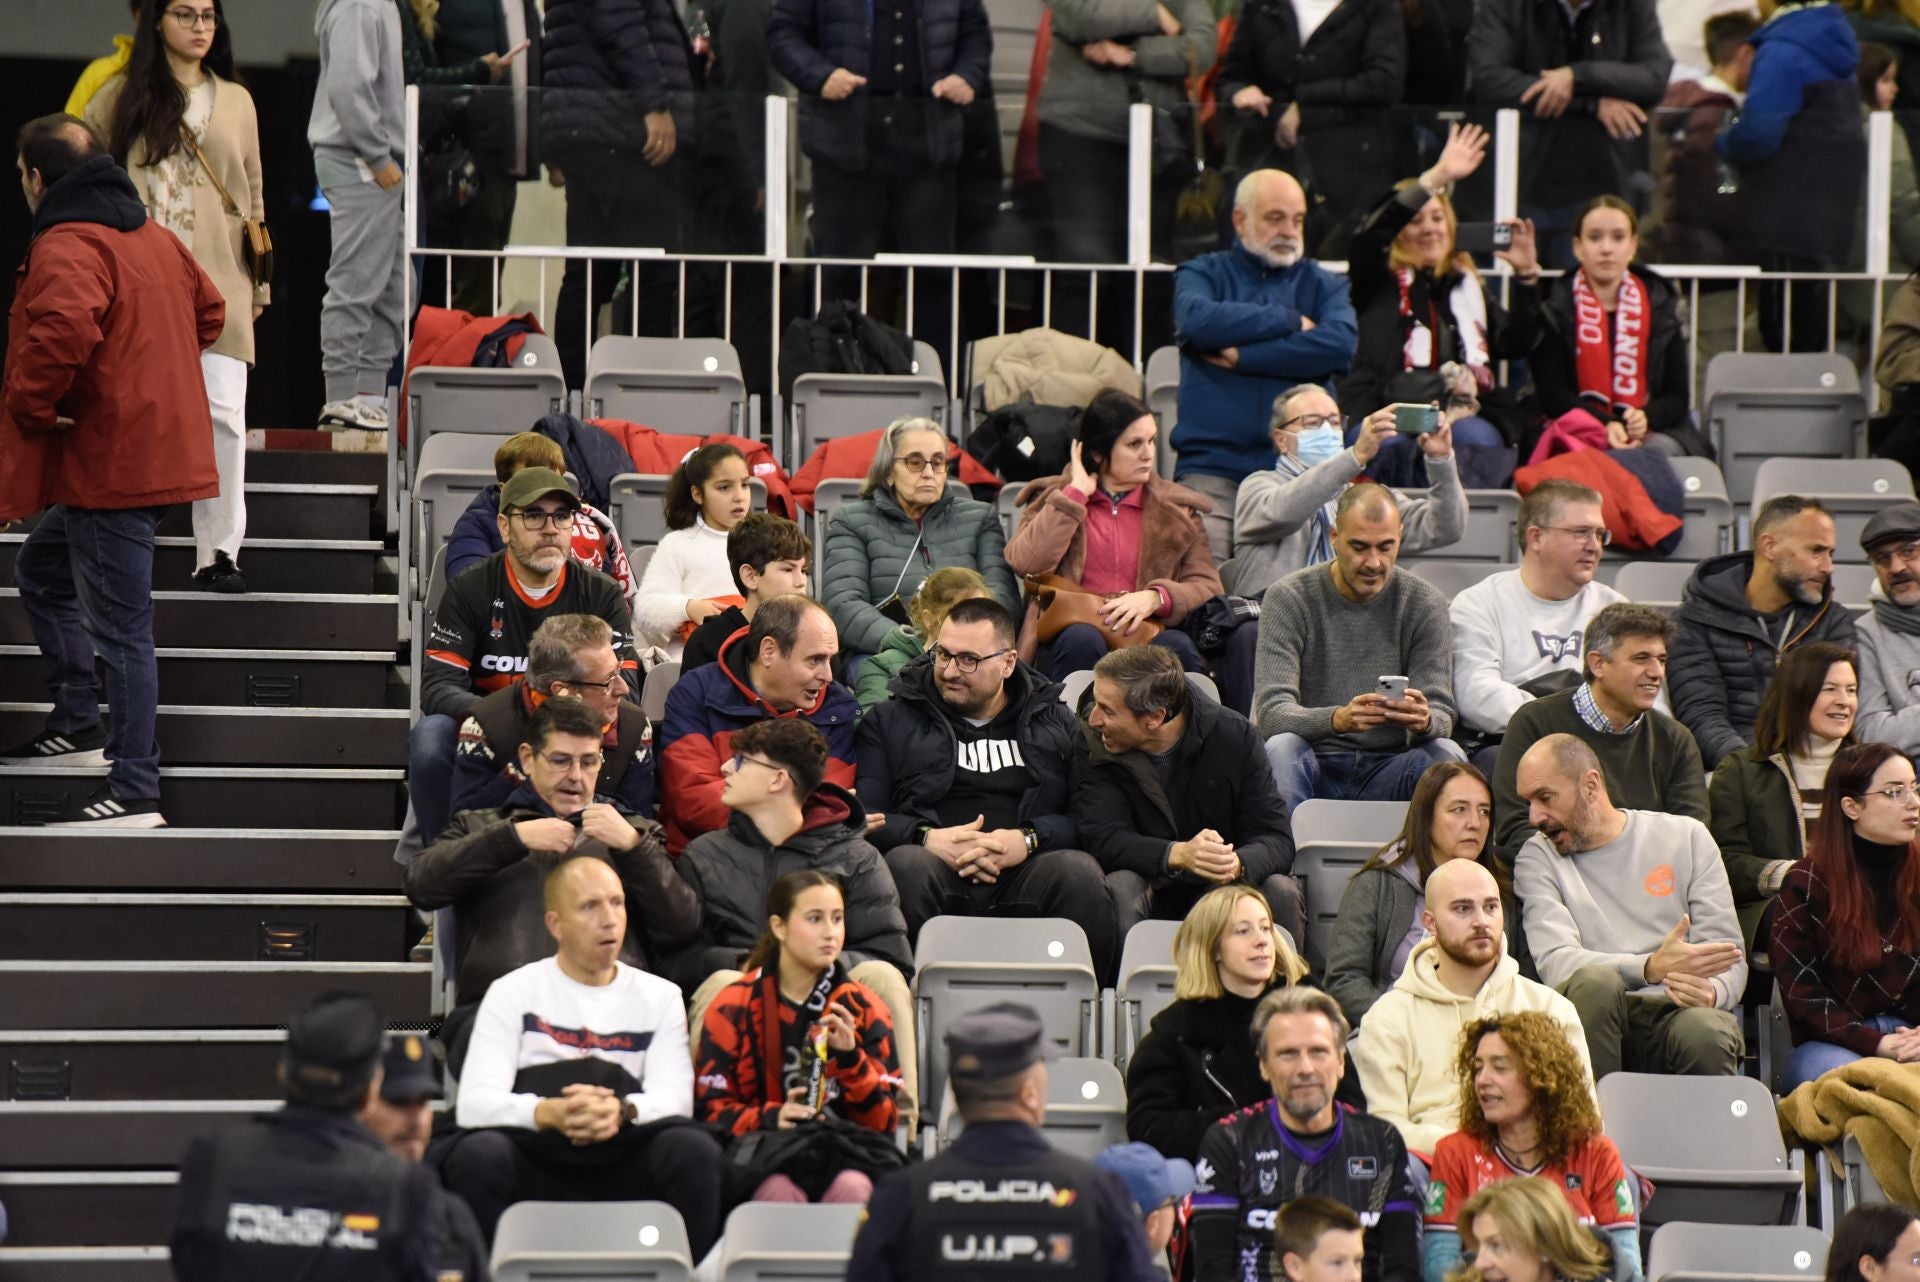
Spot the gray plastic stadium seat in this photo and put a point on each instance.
(1146, 984)
(564, 1241)
(441, 496)
(1331, 840)
(1086, 1107)
(1454, 577)
(1860, 1184)
(1761, 405)
(653, 692)
(782, 1242)
(690, 386)
(1492, 516)
(1653, 582)
(965, 963)
(1723, 1253)
(1851, 583)
(1852, 490)
(496, 402)
(638, 505)
(1163, 398)
(1008, 508)
(1709, 528)
(1711, 1146)
(827, 407)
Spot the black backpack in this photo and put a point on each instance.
(1022, 441)
(842, 339)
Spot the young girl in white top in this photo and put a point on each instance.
(688, 578)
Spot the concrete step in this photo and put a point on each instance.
(136, 1064)
(183, 858)
(268, 565)
(86, 1209)
(200, 927)
(113, 1133)
(258, 620)
(191, 736)
(239, 678)
(194, 994)
(222, 796)
(283, 510)
(85, 1264)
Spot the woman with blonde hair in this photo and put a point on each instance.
(1526, 1109)
(938, 594)
(1196, 1063)
(1520, 1231)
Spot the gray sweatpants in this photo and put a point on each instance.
(360, 320)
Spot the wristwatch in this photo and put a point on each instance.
(629, 1112)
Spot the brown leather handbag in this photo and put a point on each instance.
(1064, 603)
(256, 242)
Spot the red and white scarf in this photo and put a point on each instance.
(1467, 302)
(1615, 373)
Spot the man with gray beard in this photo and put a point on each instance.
(1252, 321)
(1890, 634)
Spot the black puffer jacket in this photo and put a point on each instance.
(1724, 652)
(1194, 1066)
(906, 749)
(731, 872)
(482, 870)
(1349, 71)
(607, 63)
(809, 39)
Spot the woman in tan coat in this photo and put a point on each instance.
(1109, 524)
(185, 129)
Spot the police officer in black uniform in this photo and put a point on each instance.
(401, 1116)
(309, 1192)
(999, 1204)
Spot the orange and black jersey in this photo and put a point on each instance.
(477, 639)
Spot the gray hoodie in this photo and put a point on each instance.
(1889, 678)
(359, 120)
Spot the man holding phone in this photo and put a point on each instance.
(1353, 681)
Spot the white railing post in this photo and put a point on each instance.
(1880, 128)
(1506, 165)
(1139, 184)
(775, 204)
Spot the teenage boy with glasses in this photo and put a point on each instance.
(967, 765)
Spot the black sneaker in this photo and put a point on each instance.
(76, 748)
(221, 576)
(104, 810)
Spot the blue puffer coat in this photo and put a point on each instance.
(809, 39)
(608, 62)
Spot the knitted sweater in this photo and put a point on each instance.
(1504, 636)
(689, 565)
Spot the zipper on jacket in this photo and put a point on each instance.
(1206, 1066)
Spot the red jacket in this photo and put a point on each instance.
(740, 1074)
(444, 337)
(110, 315)
(658, 453)
(1636, 520)
(704, 709)
(851, 456)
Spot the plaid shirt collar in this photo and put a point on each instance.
(1590, 712)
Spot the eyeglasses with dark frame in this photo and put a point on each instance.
(539, 518)
(1314, 422)
(742, 759)
(918, 463)
(193, 20)
(605, 687)
(967, 663)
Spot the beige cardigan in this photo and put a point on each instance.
(232, 147)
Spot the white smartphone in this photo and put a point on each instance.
(1393, 689)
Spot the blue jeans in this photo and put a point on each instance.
(430, 773)
(1301, 773)
(86, 583)
(1397, 453)
(1810, 1059)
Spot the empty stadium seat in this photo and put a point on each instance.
(1761, 405)
(653, 692)
(1492, 518)
(787, 1242)
(1146, 984)
(1455, 577)
(564, 1241)
(1722, 1253)
(964, 963)
(637, 503)
(1711, 1146)
(1709, 528)
(1659, 583)
(1852, 583)
(1331, 840)
(495, 402)
(828, 406)
(1163, 398)
(1851, 489)
(1086, 1107)
(454, 467)
(1008, 508)
(690, 386)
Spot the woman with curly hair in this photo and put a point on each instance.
(1519, 1231)
(1525, 1109)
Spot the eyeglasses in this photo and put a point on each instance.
(1887, 553)
(1898, 793)
(193, 21)
(742, 759)
(918, 463)
(1585, 533)
(967, 663)
(1314, 422)
(605, 687)
(539, 518)
(561, 761)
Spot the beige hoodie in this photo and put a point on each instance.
(1405, 1051)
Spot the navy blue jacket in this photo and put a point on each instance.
(607, 63)
(1233, 299)
(809, 39)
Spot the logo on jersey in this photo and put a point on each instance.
(1363, 1168)
(1016, 1191)
(1203, 1174)
(503, 662)
(984, 756)
(1622, 1198)
(1007, 1248)
(1269, 1181)
(258, 1224)
(1436, 1197)
(1557, 649)
(496, 627)
(1573, 1181)
(1660, 881)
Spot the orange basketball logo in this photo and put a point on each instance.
(1660, 881)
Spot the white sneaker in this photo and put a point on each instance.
(355, 412)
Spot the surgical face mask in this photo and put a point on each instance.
(1317, 445)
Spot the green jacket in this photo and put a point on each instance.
(900, 648)
(1756, 819)
(874, 549)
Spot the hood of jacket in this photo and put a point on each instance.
(1717, 597)
(1422, 982)
(99, 191)
(1818, 33)
(831, 818)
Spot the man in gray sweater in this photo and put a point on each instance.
(1353, 680)
(358, 134)
(1890, 634)
(1629, 914)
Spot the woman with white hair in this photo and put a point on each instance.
(905, 525)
